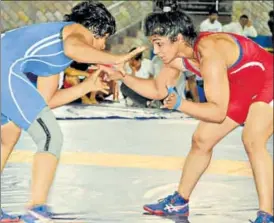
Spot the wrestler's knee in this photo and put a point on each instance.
(201, 142)
(253, 142)
(46, 133)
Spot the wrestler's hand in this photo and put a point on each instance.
(96, 83)
(112, 73)
(173, 100)
(170, 101)
(126, 57)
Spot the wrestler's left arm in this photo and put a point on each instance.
(54, 97)
(213, 68)
(79, 49)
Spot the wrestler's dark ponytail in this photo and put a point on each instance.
(94, 16)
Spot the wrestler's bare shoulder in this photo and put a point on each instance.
(221, 44)
(217, 41)
(73, 29)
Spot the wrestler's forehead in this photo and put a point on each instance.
(157, 38)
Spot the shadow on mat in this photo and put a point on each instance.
(175, 219)
(178, 219)
(69, 216)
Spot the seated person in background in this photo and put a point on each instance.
(141, 68)
(73, 76)
(113, 90)
(189, 86)
(211, 24)
(76, 73)
(244, 27)
(189, 83)
(201, 91)
(157, 65)
(97, 97)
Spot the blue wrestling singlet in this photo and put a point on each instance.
(37, 49)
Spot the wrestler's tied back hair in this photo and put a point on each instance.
(171, 24)
(94, 16)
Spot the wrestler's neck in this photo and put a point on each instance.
(186, 51)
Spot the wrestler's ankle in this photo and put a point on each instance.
(33, 204)
(183, 195)
(267, 211)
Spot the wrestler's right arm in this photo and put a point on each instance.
(150, 88)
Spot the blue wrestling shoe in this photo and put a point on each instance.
(6, 218)
(171, 205)
(39, 213)
(263, 217)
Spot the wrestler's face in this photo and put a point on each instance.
(166, 49)
(99, 43)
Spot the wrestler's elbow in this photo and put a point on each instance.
(68, 48)
(52, 104)
(70, 45)
(217, 112)
(160, 92)
(220, 114)
(159, 95)
(220, 117)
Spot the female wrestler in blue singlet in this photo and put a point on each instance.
(45, 50)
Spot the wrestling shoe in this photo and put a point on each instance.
(263, 217)
(171, 205)
(6, 218)
(37, 214)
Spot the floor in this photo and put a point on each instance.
(110, 168)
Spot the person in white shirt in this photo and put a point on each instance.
(211, 24)
(157, 65)
(141, 68)
(243, 27)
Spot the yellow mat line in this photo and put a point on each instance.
(225, 167)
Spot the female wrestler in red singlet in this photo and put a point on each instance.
(238, 82)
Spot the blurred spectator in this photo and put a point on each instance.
(97, 97)
(188, 87)
(167, 5)
(211, 24)
(142, 68)
(200, 87)
(76, 73)
(157, 65)
(243, 27)
(271, 25)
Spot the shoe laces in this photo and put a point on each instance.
(167, 199)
